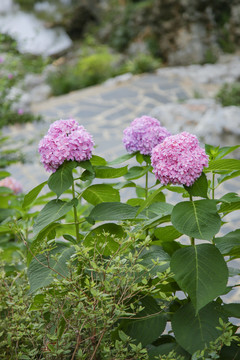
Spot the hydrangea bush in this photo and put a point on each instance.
(111, 279)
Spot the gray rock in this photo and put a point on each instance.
(205, 118)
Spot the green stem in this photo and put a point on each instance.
(75, 215)
(213, 185)
(192, 238)
(146, 186)
(146, 192)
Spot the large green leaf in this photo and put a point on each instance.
(155, 260)
(160, 208)
(167, 233)
(228, 242)
(231, 352)
(223, 164)
(165, 348)
(232, 309)
(98, 161)
(121, 159)
(38, 240)
(107, 172)
(228, 176)
(51, 212)
(194, 332)
(40, 271)
(113, 211)
(201, 272)
(198, 219)
(136, 172)
(95, 194)
(150, 199)
(154, 222)
(102, 238)
(32, 195)
(149, 323)
(199, 188)
(227, 208)
(62, 178)
(4, 174)
(225, 151)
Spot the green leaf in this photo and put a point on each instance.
(124, 184)
(155, 260)
(51, 212)
(139, 157)
(37, 302)
(95, 194)
(232, 309)
(165, 348)
(204, 275)
(86, 165)
(40, 271)
(135, 201)
(149, 200)
(106, 172)
(87, 175)
(32, 195)
(174, 188)
(199, 188)
(5, 213)
(98, 161)
(227, 208)
(5, 229)
(4, 174)
(113, 211)
(230, 352)
(121, 159)
(5, 190)
(223, 164)
(225, 151)
(228, 176)
(229, 198)
(198, 219)
(36, 244)
(150, 327)
(195, 332)
(156, 221)
(102, 238)
(62, 178)
(229, 242)
(167, 233)
(136, 172)
(160, 208)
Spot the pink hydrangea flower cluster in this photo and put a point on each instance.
(179, 159)
(143, 134)
(65, 140)
(12, 184)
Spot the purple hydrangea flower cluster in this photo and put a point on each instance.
(65, 140)
(143, 134)
(179, 159)
(12, 184)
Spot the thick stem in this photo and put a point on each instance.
(75, 215)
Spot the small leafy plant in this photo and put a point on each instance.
(229, 94)
(109, 278)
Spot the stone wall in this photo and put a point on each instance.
(183, 31)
